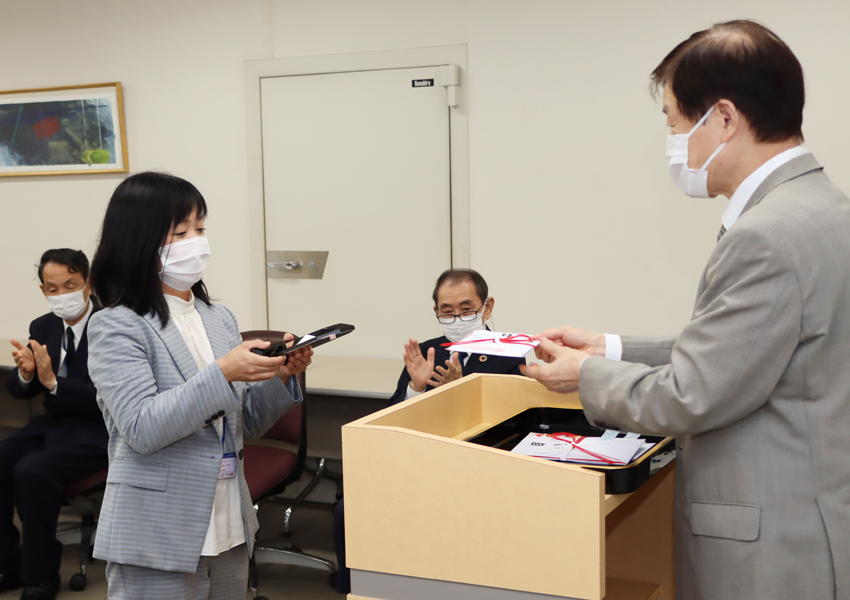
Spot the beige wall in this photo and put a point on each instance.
(573, 216)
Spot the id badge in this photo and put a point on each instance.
(228, 466)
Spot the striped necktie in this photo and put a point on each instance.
(722, 231)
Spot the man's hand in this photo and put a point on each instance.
(580, 339)
(452, 372)
(24, 360)
(43, 365)
(560, 374)
(419, 368)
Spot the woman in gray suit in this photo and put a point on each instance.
(179, 391)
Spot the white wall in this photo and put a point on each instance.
(573, 216)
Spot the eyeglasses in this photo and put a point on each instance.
(467, 315)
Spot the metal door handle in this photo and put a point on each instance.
(290, 264)
(296, 264)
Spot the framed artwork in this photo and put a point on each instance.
(63, 131)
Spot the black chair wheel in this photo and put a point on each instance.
(78, 582)
(332, 579)
(261, 598)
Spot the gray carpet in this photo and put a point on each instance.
(312, 529)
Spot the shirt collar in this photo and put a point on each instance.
(80, 325)
(742, 195)
(178, 306)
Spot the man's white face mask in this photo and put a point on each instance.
(68, 306)
(458, 330)
(183, 262)
(693, 182)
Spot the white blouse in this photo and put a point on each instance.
(227, 529)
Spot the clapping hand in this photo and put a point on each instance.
(24, 360)
(452, 372)
(419, 368)
(43, 365)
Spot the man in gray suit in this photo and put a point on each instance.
(756, 387)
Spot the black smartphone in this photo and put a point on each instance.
(316, 338)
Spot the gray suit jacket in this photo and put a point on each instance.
(757, 390)
(164, 457)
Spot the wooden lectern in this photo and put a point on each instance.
(432, 516)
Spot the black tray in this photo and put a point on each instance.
(618, 480)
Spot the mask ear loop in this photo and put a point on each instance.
(701, 121)
(163, 259)
(711, 158)
(492, 325)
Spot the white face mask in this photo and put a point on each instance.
(693, 182)
(183, 262)
(458, 330)
(68, 306)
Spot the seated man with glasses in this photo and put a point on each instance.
(462, 305)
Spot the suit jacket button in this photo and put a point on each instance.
(221, 413)
(214, 417)
(208, 421)
(241, 453)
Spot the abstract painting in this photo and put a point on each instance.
(64, 130)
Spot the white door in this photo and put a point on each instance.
(357, 164)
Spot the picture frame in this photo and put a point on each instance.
(69, 130)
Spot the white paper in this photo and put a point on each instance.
(306, 338)
(609, 434)
(614, 452)
(489, 342)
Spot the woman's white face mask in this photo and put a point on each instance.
(693, 182)
(183, 262)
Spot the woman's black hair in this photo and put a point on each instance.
(125, 268)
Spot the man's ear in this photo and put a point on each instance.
(731, 118)
(41, 287)
(488, 307)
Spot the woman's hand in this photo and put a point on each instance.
(298, 360)
(240, 364)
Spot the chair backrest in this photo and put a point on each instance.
(291, 428)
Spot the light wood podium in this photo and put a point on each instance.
(431, 516)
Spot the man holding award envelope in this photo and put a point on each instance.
(756, 387)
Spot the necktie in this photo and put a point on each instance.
(722, 231)
(71, 348)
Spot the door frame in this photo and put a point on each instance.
(257, 70)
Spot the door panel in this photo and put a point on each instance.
(357, 164)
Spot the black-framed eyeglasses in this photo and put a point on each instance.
(467, 315)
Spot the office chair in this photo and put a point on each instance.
(81, 532)
(268, 472)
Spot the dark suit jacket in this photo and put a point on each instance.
(72, 415)
(477, 363)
